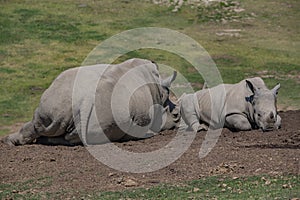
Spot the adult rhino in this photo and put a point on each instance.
(85, 104)
(246, 105)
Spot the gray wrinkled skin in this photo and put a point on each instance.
(248, 105)
(62, 117)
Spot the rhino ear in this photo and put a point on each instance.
(204, 86)
(252, 88)
(275, 89)
(167, 82)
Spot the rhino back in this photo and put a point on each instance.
(58, 96)
(118, 95)
(55, 106)
(234, 102)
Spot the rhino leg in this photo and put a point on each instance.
(189, 114)
(26, 135)
(193, 122)
(278, 122)
(38, 126)
(237, 122)
(201, 127)
(73, 137)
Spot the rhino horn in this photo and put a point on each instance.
(167, 82)
(275, 89)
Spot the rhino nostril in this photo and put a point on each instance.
(271, 115)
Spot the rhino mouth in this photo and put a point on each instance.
(268, 128)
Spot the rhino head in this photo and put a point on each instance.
(171, 114)
(263, 102)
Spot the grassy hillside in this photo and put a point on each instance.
(40, 39)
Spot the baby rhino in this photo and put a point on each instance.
(246, 105)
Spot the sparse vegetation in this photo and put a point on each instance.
(208, 10)
(256, 187)
(215, 187)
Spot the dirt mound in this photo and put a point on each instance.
(236, 154)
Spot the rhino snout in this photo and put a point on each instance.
(268, 128)
(268, 121)
(271, 117)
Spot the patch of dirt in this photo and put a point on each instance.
(294, 75)
(285, 107)
(236, 154)
(13, 128)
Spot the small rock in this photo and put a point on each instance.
(238, 10)
(201, 175)
(130, 183)
(120, 180)
(267, 182)
(289, 140)
(284, 186)
(224, 185)
(223, 190)
(52, 159)
(196, 189)
(257, 170)
(26, 159)
(111, 174)
(235, 177)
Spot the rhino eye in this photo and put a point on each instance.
(259, 115)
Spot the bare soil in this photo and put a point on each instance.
(236, 154)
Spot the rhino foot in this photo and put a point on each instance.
(12, 139)
(9, 141)
(202, 127)
(199, 127)
(17, 139)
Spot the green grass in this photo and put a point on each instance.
(29, 189)
(40, 39)
(215, 187)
